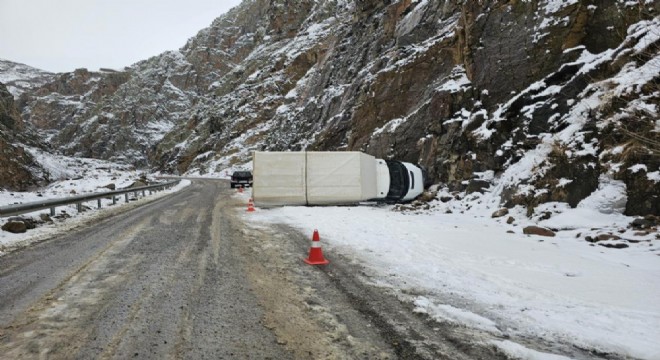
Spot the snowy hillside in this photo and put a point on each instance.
(20, 78)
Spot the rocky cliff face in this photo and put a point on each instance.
(19, 169)
(537, 101)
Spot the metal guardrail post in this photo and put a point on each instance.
(52, 211)
(126, 197)
(99, 203)
(79, 207)
(114, 200)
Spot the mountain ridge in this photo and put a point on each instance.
(530, 100)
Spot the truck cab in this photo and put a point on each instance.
(406, 181)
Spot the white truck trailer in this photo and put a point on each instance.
(331, 178)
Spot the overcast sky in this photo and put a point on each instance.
(62, 35)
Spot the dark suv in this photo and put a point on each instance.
(241, 179)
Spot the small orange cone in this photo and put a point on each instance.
(315, 253)
(250, 206)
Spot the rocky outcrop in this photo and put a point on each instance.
(536, 93)
(10, 118)
(73, 108)
(19, 169)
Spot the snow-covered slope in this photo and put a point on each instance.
(20, 78)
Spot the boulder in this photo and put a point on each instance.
(614, 246)
(62, 216)
(110, 186)
(445, 199)
(136, 184)
(510, 220)
(641, 223)
(655, 219)
(500, 213)
(477, 185)
(427, 196)
(29, 222)
(603, 237)
(15, 227)
(537, 230)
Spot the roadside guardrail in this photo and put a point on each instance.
(19, 209)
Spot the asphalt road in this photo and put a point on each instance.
(183, 277)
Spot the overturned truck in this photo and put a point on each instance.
(332, 178)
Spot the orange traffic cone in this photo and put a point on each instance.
(315, 253)
(250, 206)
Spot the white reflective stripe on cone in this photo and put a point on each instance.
(316, 244)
